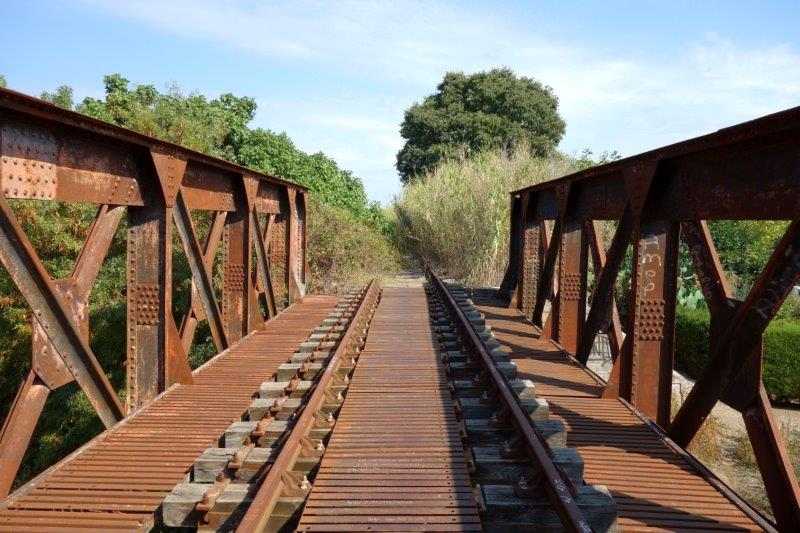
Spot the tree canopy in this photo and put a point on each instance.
(470, 113)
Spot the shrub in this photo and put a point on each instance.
(345, 252)
(781, 361)
(692, 334)
(782, 368)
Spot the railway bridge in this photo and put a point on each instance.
(416, 404)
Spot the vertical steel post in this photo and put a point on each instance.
(292, 256)
(530, 264)
(571, 286)
(149, 282)
(646, 379)
(509, 287)
(236, 282)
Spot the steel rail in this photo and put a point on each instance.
(260, 509)
(558, 487)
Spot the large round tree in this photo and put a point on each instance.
(469, 113)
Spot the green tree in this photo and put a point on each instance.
(3, 81)
(62, 97)
(470, 113)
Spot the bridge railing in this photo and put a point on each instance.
(52, 155)
(659, 198)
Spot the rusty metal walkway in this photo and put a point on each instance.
(656, 488)
(118, 480)
(395, 460)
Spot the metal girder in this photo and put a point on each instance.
(606, 278)
(651, 320)
(615, 334)
(294, 282)
(49, 370)
(195, 313)
(200, 272)
(29, 275)
(742, 335)
(262, 258)
(236, 279)
(723, 163)
(571, 298)
(65, 138)
(746, 392)
(530, 263)
(51, 154)
(512, 275)
(544, 290)
(773, 461)
(74, 292)
(746, 172)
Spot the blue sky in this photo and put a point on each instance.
(337, 76)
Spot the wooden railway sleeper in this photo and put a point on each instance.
(508, 487)
(219, 482)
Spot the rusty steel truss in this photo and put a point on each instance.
(50, 154)
(658, 199)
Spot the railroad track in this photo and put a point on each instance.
(263, 459)
(413, 421)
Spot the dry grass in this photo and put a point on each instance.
(457, 216)
(707, 444)
(727, 451)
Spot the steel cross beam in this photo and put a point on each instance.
(615, 334)
(262, 257)
(195, 313)
(606, 276)
(746, 391)
(29, 275)
(200, 272)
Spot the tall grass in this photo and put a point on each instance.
(457, 216)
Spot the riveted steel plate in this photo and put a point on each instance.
(28, 163)
(100, 171)
(234, 276)
(570, 286)
(144, 298)
(268, 199)
(208, 188)
(650, 320)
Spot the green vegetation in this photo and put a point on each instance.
(781, 364)
(347, 252)
(478, 112)
(343, 226)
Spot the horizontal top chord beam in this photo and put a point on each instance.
(747, 171)
(50, 153)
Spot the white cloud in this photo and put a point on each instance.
(387, 55)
